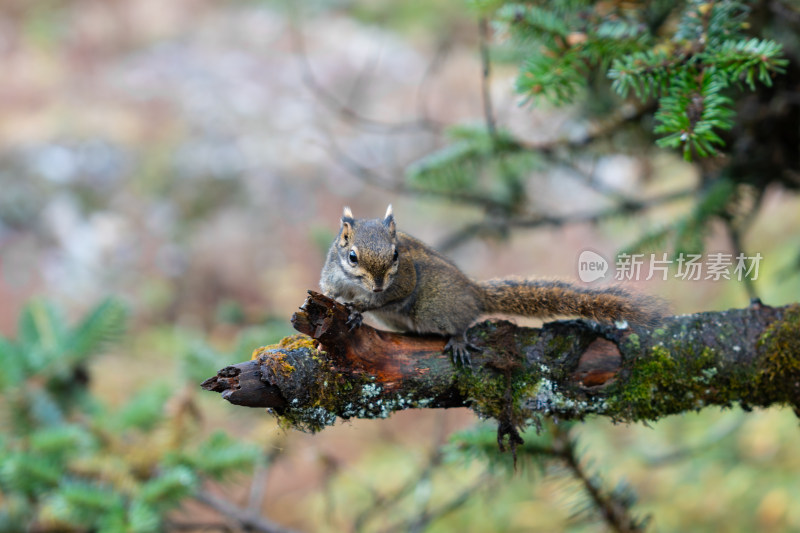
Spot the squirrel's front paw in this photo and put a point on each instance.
(459, 349)
(354, 318)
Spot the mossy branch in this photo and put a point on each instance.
(566, 369)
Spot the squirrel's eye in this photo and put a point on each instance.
(394, 256)
(353, 257)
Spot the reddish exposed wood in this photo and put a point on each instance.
(599, 364)
(390, 357)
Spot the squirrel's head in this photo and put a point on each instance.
(367, 250)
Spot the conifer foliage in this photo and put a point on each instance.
(688, 56)
(715, 81)
(68, 461)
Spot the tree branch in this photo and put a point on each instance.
(347, 113)
(568, 369)
(614, 509)
(501, 226)
(247, 520)
(486, 72)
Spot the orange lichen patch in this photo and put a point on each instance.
(297, 342)
(292, 342)
(277, 362)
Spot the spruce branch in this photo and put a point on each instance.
(566, 46)
(646, 73)
(613, 506)
(554, 444)
(693, 109)
(748, 59)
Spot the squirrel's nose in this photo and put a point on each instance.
(377, 289)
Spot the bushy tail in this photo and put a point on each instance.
(547, 298)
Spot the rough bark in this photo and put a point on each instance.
(568, 369)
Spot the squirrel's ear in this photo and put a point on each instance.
(388, 221)
(346, 233)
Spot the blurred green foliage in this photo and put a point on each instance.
(70, 462)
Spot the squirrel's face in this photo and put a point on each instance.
(367, 250)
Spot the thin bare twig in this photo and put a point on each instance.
(486, 89)
(360, 81)
(736, 245)
(346, 112)
(735, 228)
(429, 515)
(595, 130)
(494, 227)
(258, 485)
(398, 186)
(589, 179)
(442, 50)
(245, 519)
(382, 502)
(197, 526)
(714, 435)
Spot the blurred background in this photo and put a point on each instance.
(192, 158)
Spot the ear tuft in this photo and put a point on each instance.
(346, 227)
(347, 216)
(388, 221)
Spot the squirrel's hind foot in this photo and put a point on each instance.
(459, 348)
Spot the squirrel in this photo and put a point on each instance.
(409, 286)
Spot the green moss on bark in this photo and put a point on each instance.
(675, 375)
(501, 388)
(661, 383)
(498, 396)
(779, 362)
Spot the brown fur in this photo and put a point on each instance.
(425, 292)
(547, 298)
